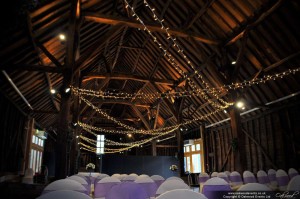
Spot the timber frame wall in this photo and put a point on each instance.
(271, 141)
(13, 133)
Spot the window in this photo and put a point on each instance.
(188, 164)
(193, 157)
(100, 144)
(193, 147)
(196, 163)
(36, 153)
(187, 149)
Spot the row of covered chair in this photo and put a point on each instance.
(274, 179)
(110, 187)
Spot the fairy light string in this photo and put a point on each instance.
(176, 66)
(196, 92)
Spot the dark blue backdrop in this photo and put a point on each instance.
(150, 165)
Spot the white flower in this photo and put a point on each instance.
(90, 165)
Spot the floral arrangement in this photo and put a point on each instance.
(173, 167)
(90, 166)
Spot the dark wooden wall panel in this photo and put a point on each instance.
(274, 137)
(12, 137)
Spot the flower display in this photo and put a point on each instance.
(173, 167)
(90, 166)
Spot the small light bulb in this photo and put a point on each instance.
(233, 62)
(62, 37)
(53, 91)
(67, 90)
(240, 104)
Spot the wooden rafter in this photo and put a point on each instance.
(94, 49)
(118, 76)
(112, 20)
(120, 101)
(200, 13)
(48, 54)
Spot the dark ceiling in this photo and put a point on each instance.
(115, 55)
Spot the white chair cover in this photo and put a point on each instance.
(148, 184)
(134, 174)
(100, 177)
(78, 179)
(64, 194)
(129, 178)
(262, 178)
(212, 186)
(65, 184)
(169, 185)
(143, 175)
(116, 175)
(180, 194)
(214, 174)
(103, 186)
(158, 179)
(292, 173)
(272, 177)
(254, 187)
(249, 177)
(235, 178)
(227, 173)
(174, 178)
(223, 176)
(294, 184)
(282, 179)
(82, 181)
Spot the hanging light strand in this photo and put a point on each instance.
(196, 92)
(176, 66)
(180, 51)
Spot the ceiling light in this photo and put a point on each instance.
(77, 136)
(158, 140)
(67, 90)
(233, 62)
(240, 104)
(53, 91)
(62, 37)
(181, 129)
(243, 108)
(225, 111)
(129, 135)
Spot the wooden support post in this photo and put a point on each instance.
(238, 141)
(154, 152)
(203, 147)
(63, 130)
(180, 153)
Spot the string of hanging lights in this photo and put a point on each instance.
(145, 132)
(133, 144)
(176, 65)
(156, 95)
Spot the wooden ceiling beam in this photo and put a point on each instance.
(113, 20)
(140, 115)
(200, 13)
(118, 48)
(119, 76)
(94, 49)
(254, 21)
(120, 101)
(130, 47)
(48, 54)
(35, 44)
